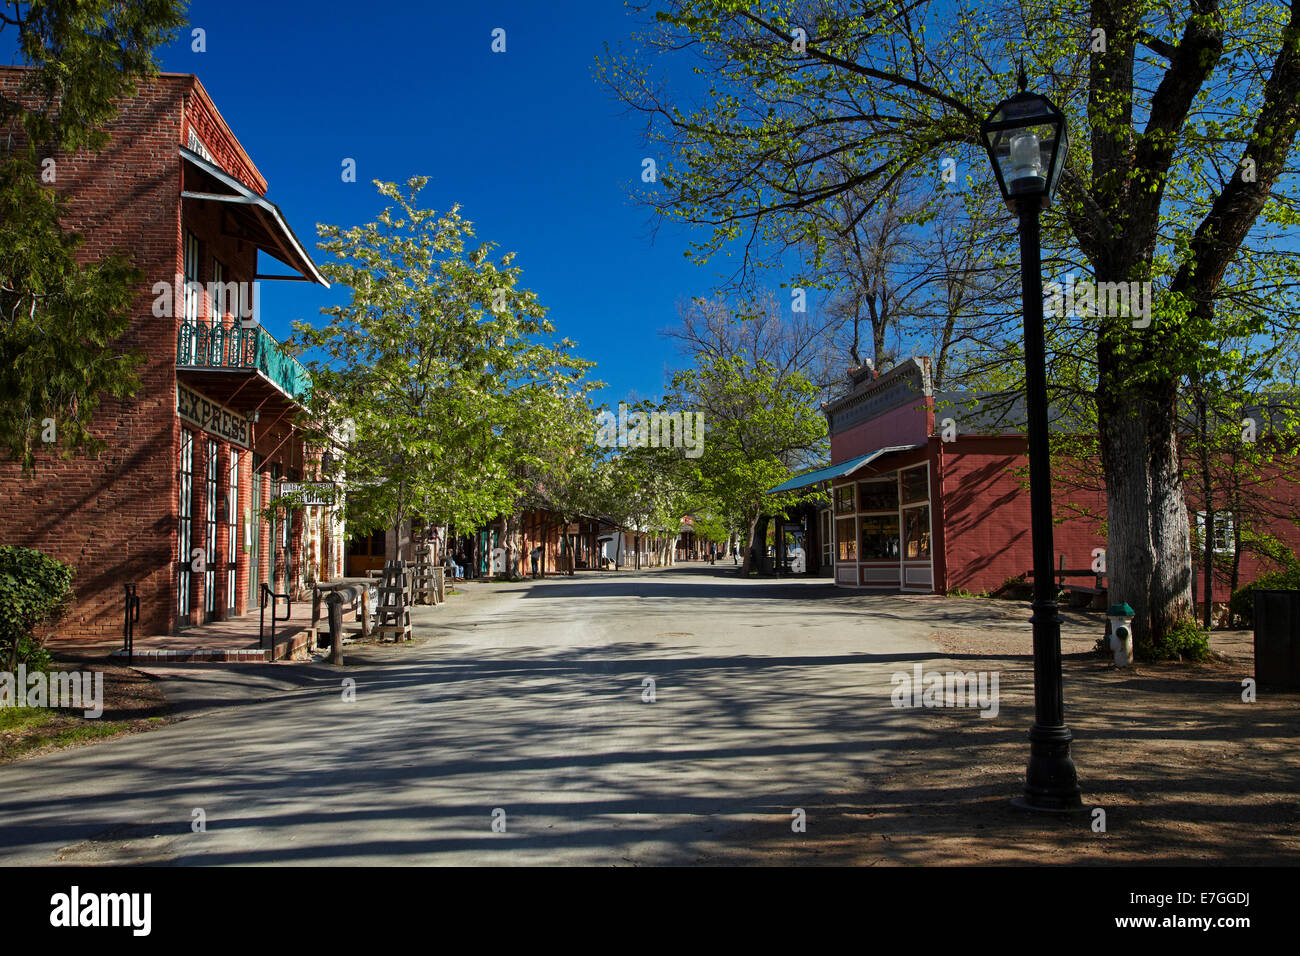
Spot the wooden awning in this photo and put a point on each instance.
(250, 216)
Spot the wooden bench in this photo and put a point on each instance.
(1063, 574)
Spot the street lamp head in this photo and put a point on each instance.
(1027, 141)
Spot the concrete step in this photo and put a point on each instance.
(196, 654)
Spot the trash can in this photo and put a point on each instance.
(1277, 638)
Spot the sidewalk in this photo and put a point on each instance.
(236, 640)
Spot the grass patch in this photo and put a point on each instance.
(963, 593)
(133, 702)
(26, 729)
(23, 719)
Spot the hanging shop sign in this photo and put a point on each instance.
(311, 493)
(213, 418)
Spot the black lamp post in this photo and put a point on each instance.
(1027, 141)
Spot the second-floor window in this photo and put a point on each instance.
(1224, 533)
(220, 305)
(192, 288)
(192, 293)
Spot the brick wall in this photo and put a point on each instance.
(986, 517)
(911, 424)
(114, 517)
(1274, 495)
(202, 118)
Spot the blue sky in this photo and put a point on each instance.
(540, 157)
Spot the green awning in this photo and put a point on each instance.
(837, 471)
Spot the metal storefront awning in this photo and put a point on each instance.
(837, 471)
(266, 226)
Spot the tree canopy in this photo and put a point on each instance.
(438, 383)
(61, 315)
(800, 117)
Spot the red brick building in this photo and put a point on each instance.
(173, 505)
(929, 493)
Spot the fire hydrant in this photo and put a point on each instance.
(1121, 633)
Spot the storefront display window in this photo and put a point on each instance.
(880, 538)
(878, 495)
(917, 523)
(844, 500)
(846, 539)
(916, 485)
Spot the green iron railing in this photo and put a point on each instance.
(199, 345)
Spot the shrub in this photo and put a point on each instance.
(1014, 587)
(1184, 641)
(34, 590)
(1241, 606)
(33, 654)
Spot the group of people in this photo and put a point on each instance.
(456, 564)
(714, 551)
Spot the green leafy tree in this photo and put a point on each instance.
(760, 424)
(570, 482)
(1183, 115)
(1239, 444)
(425, 380)
(645, 490)
(61, 315)
(553, 462)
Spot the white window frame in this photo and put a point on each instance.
(1222, 522)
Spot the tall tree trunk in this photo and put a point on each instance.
(1146, 511)
(514, 546)
(1235, 579)
(1208, 586)
(1207, 498)
(751, 551)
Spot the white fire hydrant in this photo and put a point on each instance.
(1121, 633)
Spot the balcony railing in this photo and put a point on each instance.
(199, 345)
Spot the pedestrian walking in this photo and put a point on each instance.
(536, 556)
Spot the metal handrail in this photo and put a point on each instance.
(209, 345)
(130, 617)
(261, 626)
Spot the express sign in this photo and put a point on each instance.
(211, 417)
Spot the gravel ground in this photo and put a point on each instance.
(1185, 771)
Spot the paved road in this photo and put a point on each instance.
(527, 698)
